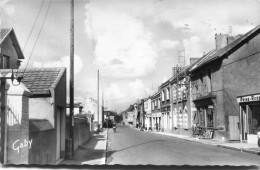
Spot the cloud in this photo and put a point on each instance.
(193, 48)
(122, 92)
(63, 62)
(123, 45)
(168, 44)
(8, 8)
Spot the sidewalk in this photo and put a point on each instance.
(92, 153)
(242, 147)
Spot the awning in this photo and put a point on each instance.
(205, 100)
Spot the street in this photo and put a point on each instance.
(129, 146)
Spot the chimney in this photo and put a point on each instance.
(230, 39)
(221, 40)
(193, 60)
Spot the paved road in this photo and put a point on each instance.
(132, 147)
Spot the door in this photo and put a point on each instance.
(58, 132)
(244, 122)
(233, 127)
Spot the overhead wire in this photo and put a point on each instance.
(38, 36)
(33, 25)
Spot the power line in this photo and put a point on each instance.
(34, 25)
(38, 36)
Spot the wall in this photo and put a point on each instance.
(81, 132)
(17, 124)
(43, 147)
(241, 75)
(199, 89)
(59, 106)
(46, 111)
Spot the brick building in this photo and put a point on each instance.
(222, 81)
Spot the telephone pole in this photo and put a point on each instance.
(71, 78)
(98, 100)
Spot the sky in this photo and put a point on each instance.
(134, 43)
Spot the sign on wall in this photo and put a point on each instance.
(250, 98)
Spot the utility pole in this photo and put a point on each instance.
(98, 99)
(71, 116)
(102, 109)
(3, 119)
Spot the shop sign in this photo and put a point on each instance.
(251, 98)
(210, 107)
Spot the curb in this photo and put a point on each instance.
(106, 148)
(240, 149)
(216, 145)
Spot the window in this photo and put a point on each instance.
(209, 80)
(167, 94)
(159, 103)
(174, 94)
(5, 62)
(162, 95)
(254, 118)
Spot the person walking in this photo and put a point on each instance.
(114, 127)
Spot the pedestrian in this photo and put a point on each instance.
(114, 127)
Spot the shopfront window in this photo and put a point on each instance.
(254, 118)
(209, 118)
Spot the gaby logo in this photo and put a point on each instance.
(17, 145)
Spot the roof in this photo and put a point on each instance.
(227, 50)
(5, 32)
(36, 125)
(39, 80)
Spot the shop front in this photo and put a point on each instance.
(156, 121)
(249, 117)
(204, 116)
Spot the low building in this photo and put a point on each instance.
(38, 114)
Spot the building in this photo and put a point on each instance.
(11, 53)
(166, 118)
(148, 113)
(226, 85)
(37, 117)
(156, 111)
(128, 115)
(182, 108)
(10, 58)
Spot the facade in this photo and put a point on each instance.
(148, 113)
(128, 115)
(182, 107)
(166, 119)
(156, 111)
(11, 53)
(223, 80)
